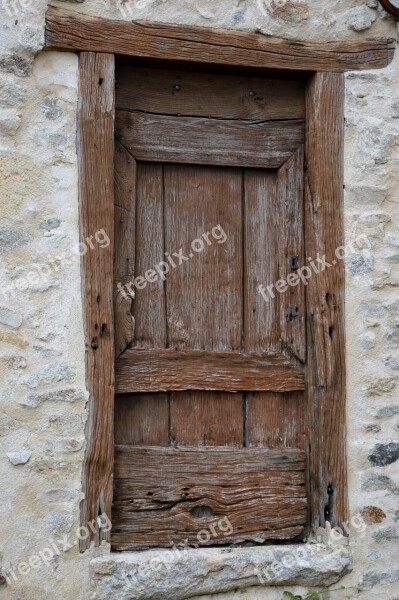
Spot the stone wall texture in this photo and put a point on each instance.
(43, 395)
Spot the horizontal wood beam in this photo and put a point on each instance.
(255, 494)
(78, 32)
(200, 141)
(187, 94)
(141, 371)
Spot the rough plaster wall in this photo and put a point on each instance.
(42, 349)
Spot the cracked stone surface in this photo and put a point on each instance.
(177, 575)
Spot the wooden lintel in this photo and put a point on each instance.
(78, 32)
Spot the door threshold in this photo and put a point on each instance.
(181, 574)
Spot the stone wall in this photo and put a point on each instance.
(42, 352)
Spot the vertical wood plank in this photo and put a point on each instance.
(96, 173)
(292, 255)
(325, 299)
(142, 420)
(149, 303)
(276, 420)
(271, 203)
(204, 294)
(261, 259)
(124, 256)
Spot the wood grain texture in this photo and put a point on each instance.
(203, 141)
(173, 370)
(142, 420)
(271, 233)
(184, 93)
(204, 301)
(261, 264)
(149, 304)
(325, 300)
(206, 419)
(96, 172)
(77, 32)
(276, 420)
(164, 492)
(124, 255)
(291, 247)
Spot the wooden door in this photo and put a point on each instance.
(210, 409)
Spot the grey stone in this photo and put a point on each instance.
(53, 141)
(10, 122)
(50, 108)
(373, 577)
(16, 64)
(10, 317)
(177, 575)
(372, 428)
(52, 373)
(386, 534)
(393, 310)
(384, 454)
(392, 336)
(44, 351)
(10, 239)
(388, 411)
(360, 18)
(50, 224)
(367, 340)
(239, 14)
(366, 195)
(69, 395)
(360, 264)
(374, 482)
(11, 94)
(20, 457)
(375, 555)
(58, 523)
(369, 309)
(17, 362)
(392, 362)
(206, 14)
(393, 259)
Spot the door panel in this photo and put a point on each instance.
(209, 416)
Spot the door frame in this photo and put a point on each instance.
(97, 41)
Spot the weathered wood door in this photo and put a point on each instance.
(209, 412)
